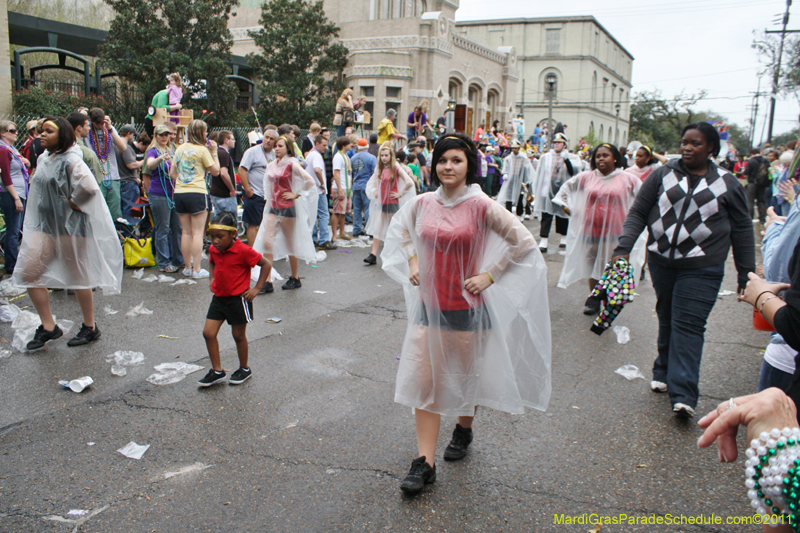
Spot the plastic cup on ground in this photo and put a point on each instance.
(78, 385)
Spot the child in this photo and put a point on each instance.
(230, 264)
(175, 92)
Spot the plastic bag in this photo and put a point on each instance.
(185, 281)
(138, 310)
(123, 359)
(165, 279)
(5, 353)
(107, 310)
(133, 450)
(169, 373)
(139, 273)
(25, 325)
(629, 372)
(8, 289)
(151, 278)
(8, 312)
(623, 334)
(321, 256)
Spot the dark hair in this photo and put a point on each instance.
(650, 160)
(373, 137)
(285, 129)
(342, 141)
(614, 152)
(319, 140)
(400, 156)
(212, 136)
(755, 151)
(144, 138)
(709, 132)
(97, 115)
(77, 120)
(223, 136)
(225, 218)
(66, 135)
(296, 131)
(456, 141)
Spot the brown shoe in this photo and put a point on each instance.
(345, 237)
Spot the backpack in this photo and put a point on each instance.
(762, 178)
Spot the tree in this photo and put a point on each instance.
(300, 69)
(148, 39)
(662, 119)
(788, 75)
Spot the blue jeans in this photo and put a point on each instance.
(166, 233)
(13, 226)
(128, 194)
(773, 377)
(224, 205)
(684, 301)
(323, 217)
(360, 203)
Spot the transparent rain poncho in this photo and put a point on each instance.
(68, 246)
(462, 350)
(286, 227)
(382, 206)
(598, 206)
(549, 178)
(517, 169)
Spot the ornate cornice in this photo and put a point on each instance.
(240, 34)
(398, 42)
(379, 71)
(477, 48)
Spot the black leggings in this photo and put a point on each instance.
(562, 225)
(520, 201)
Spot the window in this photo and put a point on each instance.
(393, 92)
(553, 42)
(385, 9)
(596, 43)
(546, 86)
(367, 91)
(594, 88)
(370, 107)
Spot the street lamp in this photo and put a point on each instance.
(449, 116)
(616, 127)
(550, 80)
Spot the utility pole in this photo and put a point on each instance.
(777, 72)
(551, 83)
(755, 113)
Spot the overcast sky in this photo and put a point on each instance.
(691, 45)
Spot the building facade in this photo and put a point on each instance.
(592, 70)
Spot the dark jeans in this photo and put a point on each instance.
(129, 192)
(773, 377)
(562, 225)
(684, 301)
(757, 195)
(13, 228)
(166, 233)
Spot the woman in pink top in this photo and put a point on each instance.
(645, 162)
(175, 93)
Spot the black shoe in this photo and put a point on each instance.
(267, 288)
(327, 246)
(592, 306)
(292, 283)
(85, 335)
(240, 376)
(42, 336)
(211, 378)
(421, 474)
(457, 449)
(371, 259)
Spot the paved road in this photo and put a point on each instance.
(314, 441)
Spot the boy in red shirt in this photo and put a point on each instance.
(229, 280)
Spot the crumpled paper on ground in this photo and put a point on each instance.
(163, 278)
(139, 310)
(151, 278)
(8, 289)
(107, 310)
(629, 372)
(321, 255)
(185, 281)
(123, 359)
(139, 273)
(623, 334)
(8, 312)
(169, 373)
(133, 450)
(25, 325)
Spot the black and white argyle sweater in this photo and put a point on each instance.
(692, 221)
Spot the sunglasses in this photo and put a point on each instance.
(164, 133)
(11, 131)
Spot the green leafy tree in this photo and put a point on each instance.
(661, 120)
(148, 39)
(299, 66)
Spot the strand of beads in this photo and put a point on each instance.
(772, 473)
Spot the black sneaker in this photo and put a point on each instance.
(240, 376)
(267, 288)
(457, 449)
(292, 283)
(421, 474)
(371, 259)
(211, 378)
(592, 306)
(42, 336)
(85, 336)
(327, 246)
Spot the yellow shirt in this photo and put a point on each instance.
(191, 162)
(385, 131)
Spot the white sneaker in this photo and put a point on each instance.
(683, 410)
(187, 272)
(527, 217)
(521, 218)
(658, 386)
(543, 245)
(201, 274)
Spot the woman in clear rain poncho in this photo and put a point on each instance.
(597, 203)
(645, 162)
(389, 188)
(476, 294)
(70, 241)
(288, 215)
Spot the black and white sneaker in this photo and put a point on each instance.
(213, 377)
(42, 336)
(267, 288)
(240, 376)
(85, 335)
(457, 449)
(371, 259)
(291, 283)
(420, 474)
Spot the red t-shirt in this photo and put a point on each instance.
(279, 183)
(232, 268)
(388, 186)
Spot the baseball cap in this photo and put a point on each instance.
(31, 125)
(126, 129)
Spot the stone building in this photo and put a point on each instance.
(592, 69)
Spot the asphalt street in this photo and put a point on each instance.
(314, 441)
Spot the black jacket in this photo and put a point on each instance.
(692, 221)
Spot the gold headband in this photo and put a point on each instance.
(51, 123)
(222, 227)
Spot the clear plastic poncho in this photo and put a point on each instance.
(517, 170)
(68, 247)
(598, 206)
(642, 173)
(462, 350)
(382, 206)
(286, 227)
(546, 184)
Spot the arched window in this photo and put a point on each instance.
(423, 7)
(546, 85)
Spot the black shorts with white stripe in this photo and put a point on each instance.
(235, 309)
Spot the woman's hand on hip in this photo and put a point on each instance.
(288, 196)
(478, 284)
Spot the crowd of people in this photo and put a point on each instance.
(449, 210)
